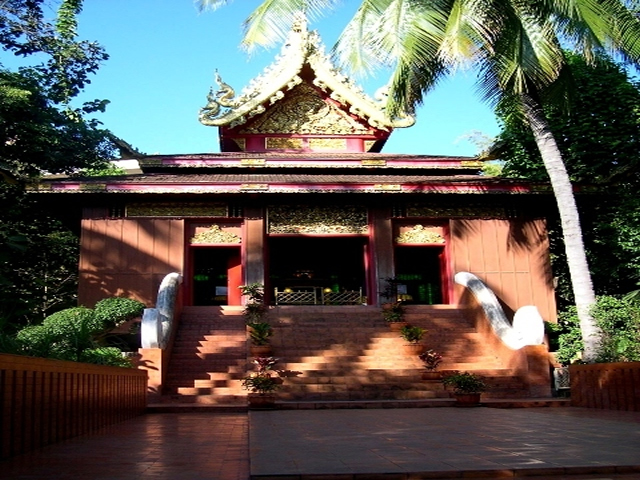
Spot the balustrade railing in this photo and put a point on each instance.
(317, 296)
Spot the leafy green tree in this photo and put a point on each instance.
(600, 145)
(41, 131)
(516, 47)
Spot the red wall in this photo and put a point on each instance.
(128, 257)
(510, 256)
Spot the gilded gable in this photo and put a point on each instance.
(305, 111)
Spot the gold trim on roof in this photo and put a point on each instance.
(302, 48)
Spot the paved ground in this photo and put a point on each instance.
(348, 445)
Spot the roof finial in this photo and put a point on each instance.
(299, 24)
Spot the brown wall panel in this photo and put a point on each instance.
(128, 257)
(510, 256)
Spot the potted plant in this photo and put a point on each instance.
(259, 334)
(255, 310)
(431, 360)
(393, 314)
(262, 384)
(467, 388)
(413, 335)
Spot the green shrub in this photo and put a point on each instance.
(78, 334)
(619, 320)
(570, 344)
(115, 311)
(35, 341)
(111, 356)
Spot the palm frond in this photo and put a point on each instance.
(269, 24)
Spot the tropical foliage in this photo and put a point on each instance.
(41, 131)
(619, 320)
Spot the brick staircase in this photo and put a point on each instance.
(349, 353)
(328, 353)
(209, 358)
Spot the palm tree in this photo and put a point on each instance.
(517, 47)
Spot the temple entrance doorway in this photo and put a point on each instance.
(317, 270)
(419, 273)
(216, 275)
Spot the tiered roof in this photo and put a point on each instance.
(301, 127)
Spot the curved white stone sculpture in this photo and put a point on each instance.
(157, 322)
(528, 326)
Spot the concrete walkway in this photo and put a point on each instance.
(550, 443)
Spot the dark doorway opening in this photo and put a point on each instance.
(419, 274)
(214, 275)
(327, 264)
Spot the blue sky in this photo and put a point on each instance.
(163, 55)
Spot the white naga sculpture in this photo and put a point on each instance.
(528, 326)
(158, 322)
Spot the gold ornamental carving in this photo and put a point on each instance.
(368, 145)
(303, 111)
(328, 143)
(371, 162)
(214, 234)
(479, 211)
(254, 187)
(420, 234)
(307, 219)
(387, 188)
(253, 162)
(273, 143)
(176, 210)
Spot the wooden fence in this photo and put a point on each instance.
(44, 401)
(614, 386)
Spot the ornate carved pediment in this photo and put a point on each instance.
(304, 111)
(302, 50)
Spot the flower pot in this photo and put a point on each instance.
(467, 399)
(260, 350)
(397, 326)
(413, 348)
(431, 375)
(261, 401)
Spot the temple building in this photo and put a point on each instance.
(302, 199)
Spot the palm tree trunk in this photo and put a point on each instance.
(570, 220)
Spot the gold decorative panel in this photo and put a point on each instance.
(472, 163)
(253, 162)
(373, 162)
(93, 187)
(318, 220)
(420, 234)
(478, 211)
(241, 142)
(214, 234)
(368, 144)
(283, 142)
(388, 188)
(176, 210)
(328, 143)
(305, 111)
(254, 186)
